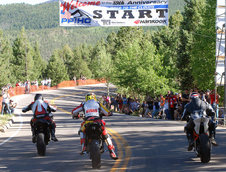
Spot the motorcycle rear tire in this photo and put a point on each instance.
(95, 154)
(205, 148)
(41, 146)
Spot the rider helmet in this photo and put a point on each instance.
(194, 95)
(38, 96)
(90, 96)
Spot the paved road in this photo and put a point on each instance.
(143, 145)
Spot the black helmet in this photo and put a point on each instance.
(194, 95)
(38, 96)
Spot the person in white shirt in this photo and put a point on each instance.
(5, 102)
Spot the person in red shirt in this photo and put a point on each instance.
(214, 101)
(172, 100)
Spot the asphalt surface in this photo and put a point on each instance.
(143, 144)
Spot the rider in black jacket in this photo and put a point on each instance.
(41, 110)
(197, 104)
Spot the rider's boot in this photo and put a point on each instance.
(53, 137)
(82, 140)
(111, 148)
(83, 147)
(212, 131)
(33, 135)
(212, 139)
(190, 141)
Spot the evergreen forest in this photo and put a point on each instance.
(137, 60)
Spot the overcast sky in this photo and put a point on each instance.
(22, 1)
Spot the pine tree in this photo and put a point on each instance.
(56, 69)
(192, 21)
(203, 51)
(39, 63)
(79, 66)
(102, 65)
(5, 61)
(23, 58)
(167, 41)
(138, 67)
(68, 57)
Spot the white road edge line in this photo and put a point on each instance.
(18, 130)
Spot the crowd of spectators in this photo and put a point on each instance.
(169, 106)
(120, 103)
(27, 84)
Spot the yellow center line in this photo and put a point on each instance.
(127, 150)
(53, 102)
(120, 151)
(116, 136)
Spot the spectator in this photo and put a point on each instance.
(12, 105)
(215, 102)
(5, 102)
(172, 100)
(168, 94)
(133, 107)
(156, 108)
(117, 102)
(74, 78)
(27, 87)
(36, 84)
(108, 100)
(113, 103)
(103, 100)
(166, 109)
(17, 84)
(48, 82)
(207, 96)
(185, 98)
(124, 103)
(149, 109)
(144, 106)
(162, 103)
(129, 101)
(120, 103)
(179, 109)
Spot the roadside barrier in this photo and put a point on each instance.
(33, 88)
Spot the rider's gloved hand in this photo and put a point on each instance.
(75, 116)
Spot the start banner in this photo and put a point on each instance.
(113, 12)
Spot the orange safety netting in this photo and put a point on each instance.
(33, 88)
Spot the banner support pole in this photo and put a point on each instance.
(225, 65)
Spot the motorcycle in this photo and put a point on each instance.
(42, 135)
(94, 140)
(202, 143)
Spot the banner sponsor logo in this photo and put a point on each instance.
(113, 13)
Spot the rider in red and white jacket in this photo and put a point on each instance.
(91, 109)
(41, 109)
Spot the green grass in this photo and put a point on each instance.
(4, 119)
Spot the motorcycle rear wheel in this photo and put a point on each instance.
(205, 148)
(95, 154)
(41, 146)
